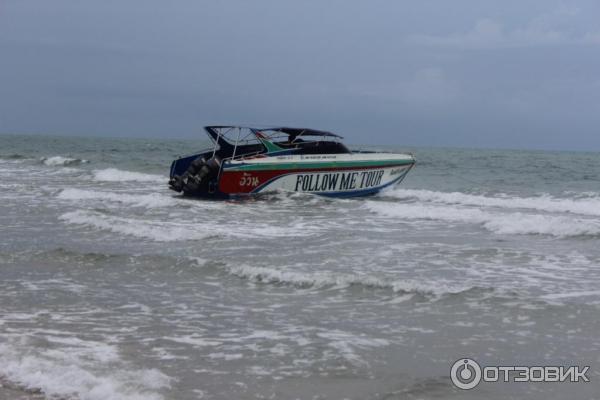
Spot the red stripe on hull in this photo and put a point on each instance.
(241, 182)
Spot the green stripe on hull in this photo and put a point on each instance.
(318, 165)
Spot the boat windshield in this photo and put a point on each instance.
(236, 141)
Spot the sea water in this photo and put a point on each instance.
(114, 287)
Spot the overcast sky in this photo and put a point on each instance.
(516, 74)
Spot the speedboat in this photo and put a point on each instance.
(249, 160)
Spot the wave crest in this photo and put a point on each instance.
(496, 222)
(340, 280)
(151, 200)
(158, 231)
(585, 206)
(56, 161)
(118, 175)
(65, 372)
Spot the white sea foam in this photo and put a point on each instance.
(158, 231)
(584, 206)
(226, 356)
(341, 280)
(68, 373)
(151, 200)
(118, 175)
(61, 161)
(518, 223)
(97, 351)
(169, 231)
(586, 293)
(497, 222)
(133, 307)
(346, 344)
(194, 340)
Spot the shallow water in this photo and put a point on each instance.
(112, 286)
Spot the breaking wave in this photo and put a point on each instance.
(584, 206)
(151, 200)
(167, 231)
(341, 280)
(157, 231)
(500, 223)
(62, 161)
(118, 175)
(68, 373)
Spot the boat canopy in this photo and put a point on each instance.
(232, 140)
(303, 131)
(287, 130)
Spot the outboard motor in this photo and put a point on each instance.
(196, 179)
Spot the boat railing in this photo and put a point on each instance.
(202, 151)
(242, 156)
(359, 151)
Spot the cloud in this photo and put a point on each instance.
(591, 38)
(554, 28)
(426, 87)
